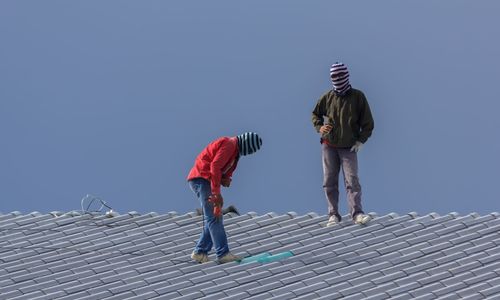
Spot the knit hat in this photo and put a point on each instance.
(248, 143)
(340, 78)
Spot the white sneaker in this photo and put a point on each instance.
(332, 221)
(199, 257)
(362, 219)
(228, 257)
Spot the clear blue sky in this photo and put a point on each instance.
(117, 98)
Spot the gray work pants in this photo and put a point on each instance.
(333, 160)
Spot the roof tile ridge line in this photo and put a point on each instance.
(187, 215)
(474, 215)
(435, 215)
(171, 213)
(413, 214)
(312, 215)
(270, 214)
(290, 214)
(150, 214)
(495, 214)
(252, 214)
(35, 213)
(15, 213)
(393, 215)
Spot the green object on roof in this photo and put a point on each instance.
(254, 258)
(266, 257)
(275, 257)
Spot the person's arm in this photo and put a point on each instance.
(317, 116)
(318, 113)
(366, 121)
(227, 178)
(222, 156)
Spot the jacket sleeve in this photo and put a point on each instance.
(366, 121)
(318, 113)
(229, 173)
(222, 156)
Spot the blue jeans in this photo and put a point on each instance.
(213, 228)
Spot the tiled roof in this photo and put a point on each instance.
(134, 256)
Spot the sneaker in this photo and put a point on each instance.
(333, 220)
(199, 257)
(228, 257)
(362, 219)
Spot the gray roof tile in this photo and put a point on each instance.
(475, 296)
(37, 286)
(227, 284)
(28, 296)
(189, 289)
(411, 278)
(240, 288)
(447, 289)
(380, 289)
(494, 290)
(8, 294)
(426, 296)
(190, 295)
(480, 248)
(403, 288)
(114, 297)
(287, 288)
(307, 297)
(285, 296)
(135, 256)
(357, 288)
(472, 289)
(214, 296)
(378, 296)
(265, 288)
(494, 267)
(142, 296)
(49, 296)
(389, 278)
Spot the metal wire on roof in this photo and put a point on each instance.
(90, 199)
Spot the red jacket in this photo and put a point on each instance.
(217, 160)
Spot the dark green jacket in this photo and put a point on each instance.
(351, 116)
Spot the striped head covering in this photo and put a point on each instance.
(340, 78)
(248, 143)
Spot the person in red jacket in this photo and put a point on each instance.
(214, 167)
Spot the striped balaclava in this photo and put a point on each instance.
(340, 78)
(248, 143)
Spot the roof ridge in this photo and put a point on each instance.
(253, 213)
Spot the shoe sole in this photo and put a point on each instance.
(364, 221)
(201, 260)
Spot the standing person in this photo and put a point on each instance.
(343, 118)
(214, 167)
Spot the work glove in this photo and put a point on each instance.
(225, 181)
(357, 147)
(217, 202)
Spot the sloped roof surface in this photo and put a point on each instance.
(133, 256)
